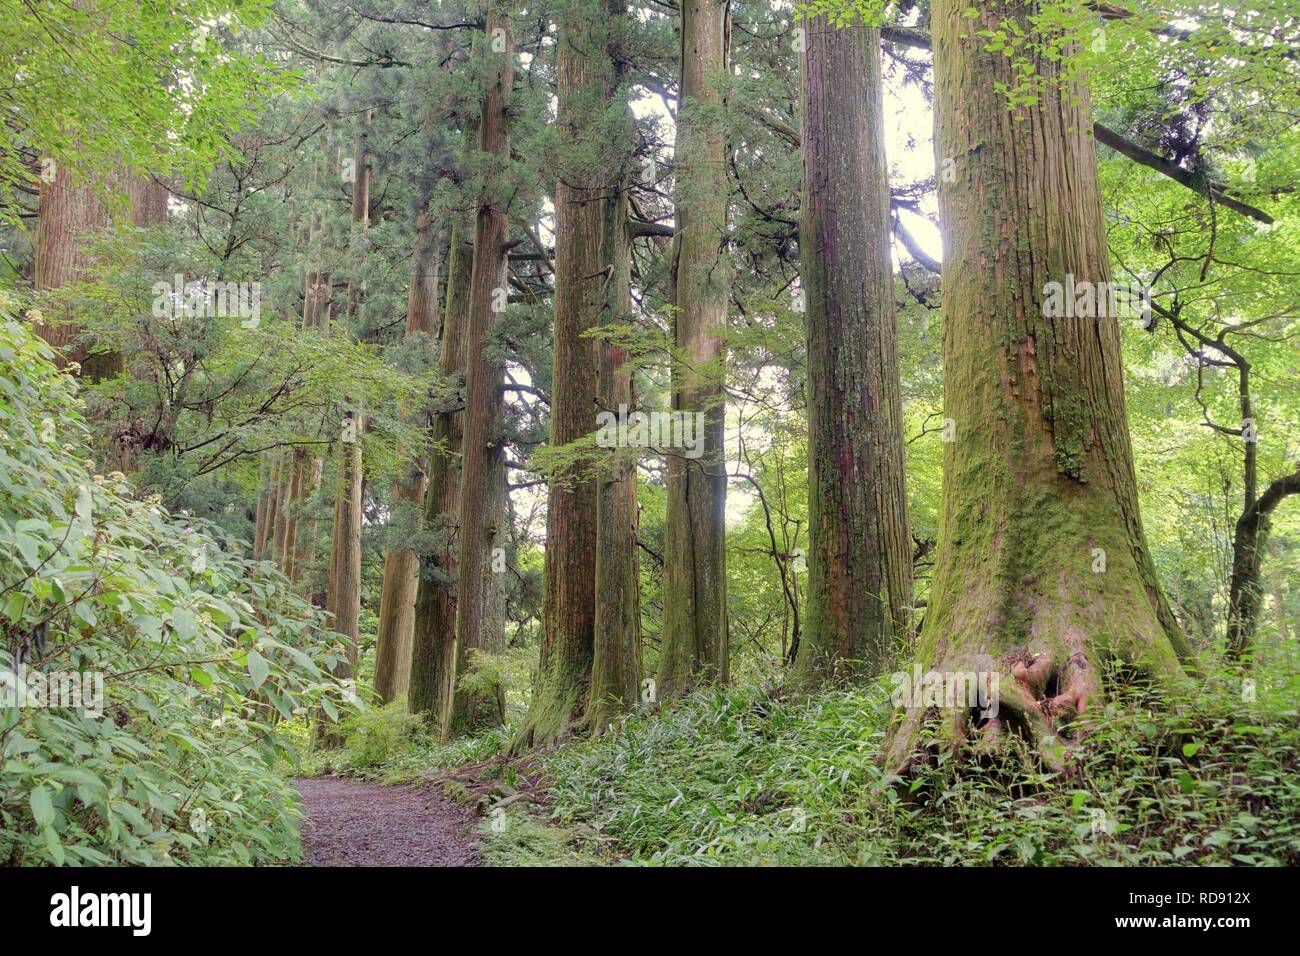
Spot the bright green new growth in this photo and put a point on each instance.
(201, 652)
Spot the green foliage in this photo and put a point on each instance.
(200, 650)
(522, 840)
(386, 746)
(740, 778)
(98, 87)
(374, 737)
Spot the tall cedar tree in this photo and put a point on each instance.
(344, 591)
(70, 215)
(479, 624)
(1043, 575)
(592, 263)
(695, 648)
(616, 656)
(433, 642)
(859, 561)
(401, 565)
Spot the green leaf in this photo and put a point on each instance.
(258, 668)
(15, 604)
(42, 806)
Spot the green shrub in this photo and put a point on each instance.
(372, 738)
(201, 652)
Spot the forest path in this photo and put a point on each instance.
(352, 823)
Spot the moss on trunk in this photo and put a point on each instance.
(1043, 575)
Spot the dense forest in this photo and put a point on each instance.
(677, 432)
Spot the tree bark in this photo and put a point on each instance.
(695, 648)
(266, 480)
(148, 199)
(1043, 575)
(859, 558)
(616, 657)
(433, 647)
(588, 188)
(483, 462)
(401, 565)
(1249, 539)
(70, 213)
(343, 594)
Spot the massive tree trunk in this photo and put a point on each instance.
(695, 648)
(591, 286)
(70, 214)
(296, 473)
(295, 494)
(401, 565)
(478, 628)
(344, 594)
(148, 198)
(1043, 576)
(281, 504)
(860, 557)
(264, 514)
(589, 664)
(433, 645)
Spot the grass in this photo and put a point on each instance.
(737, 778)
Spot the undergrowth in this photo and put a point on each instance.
(390, 745)
(739, 777)
(734, 777)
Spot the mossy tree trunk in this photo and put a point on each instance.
(859, 559)
(695, 648)
(587, 190)
(478, 626)
(433, 644)
(1249, 539)
(1043, 575)
(616, 652)
(401, 564)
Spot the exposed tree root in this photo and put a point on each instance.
(1035, 698)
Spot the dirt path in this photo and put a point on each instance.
(350, 823)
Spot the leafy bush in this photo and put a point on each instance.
(200, 650)
(374, 737)
(396, 748)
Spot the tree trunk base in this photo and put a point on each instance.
(552, 718)
(1040, 707)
